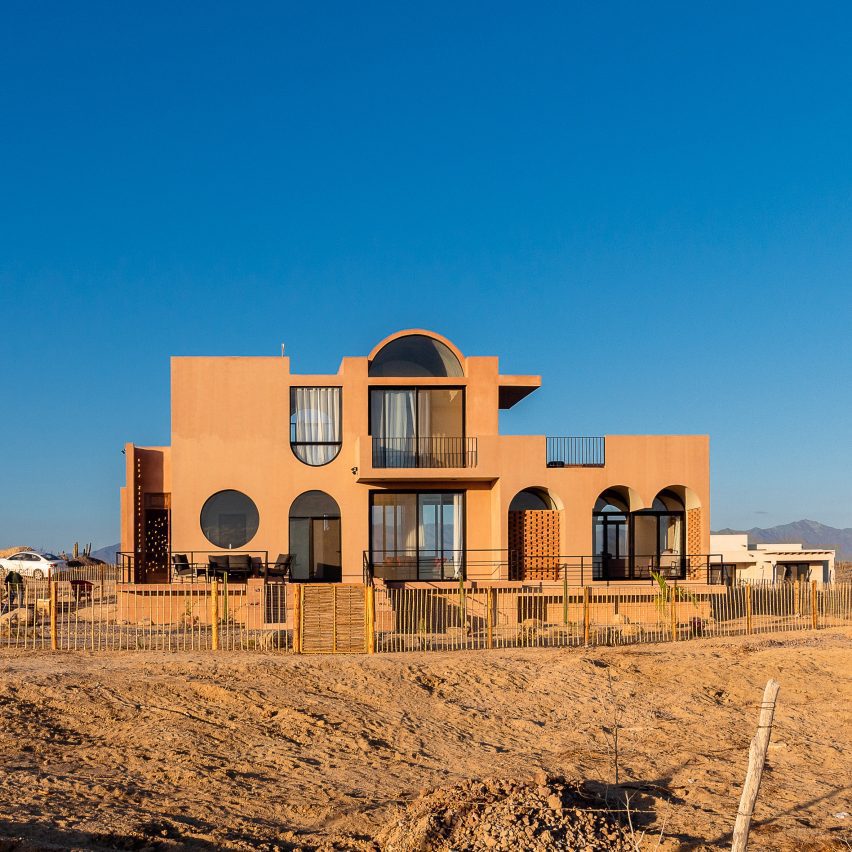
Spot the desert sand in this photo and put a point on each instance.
(272, 751)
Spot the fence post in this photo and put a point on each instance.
(297, 619)
(214, 613)
(370, 593)
(52, 610)
(797, 606)
(587, 594)
(756, 760)
(489, 618)
(673, 609)
(748, 607)
(564, 594)
(814, 609)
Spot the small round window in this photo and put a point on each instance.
(229, 519)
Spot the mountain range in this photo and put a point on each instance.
(810, 533)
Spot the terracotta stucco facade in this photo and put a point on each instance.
(231, 427)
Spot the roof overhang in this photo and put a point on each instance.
(514, 388)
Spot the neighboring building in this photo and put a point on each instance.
(394, 468)
(769, 563)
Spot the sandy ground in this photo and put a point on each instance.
(272, 751)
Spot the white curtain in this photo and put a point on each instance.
(458, 533)
(318, 427)
(396, 427)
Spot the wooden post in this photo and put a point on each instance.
(564, 594)
(673, 611)
(797, 604)
(748, 607)
(489, 618)
(587, 594)
(52, 611)
(370, 612)
(756, 760)
(814, 607)
(214, 613)
(297, 619)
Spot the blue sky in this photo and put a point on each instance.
(648, 204)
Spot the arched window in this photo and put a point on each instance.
(611, 537)
(316, 430)
(315, 538)
(660, 536)
(415, 355)
(229, 519)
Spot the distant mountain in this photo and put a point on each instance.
(810, 533)
(107, 554)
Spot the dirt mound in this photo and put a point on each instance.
(502, 814)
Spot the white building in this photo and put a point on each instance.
(770, 563)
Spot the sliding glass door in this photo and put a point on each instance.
(417, 535)
(417, 427)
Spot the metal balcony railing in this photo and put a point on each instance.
(576, 452)
(424, 452)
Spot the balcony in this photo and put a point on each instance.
(422, 453)
(576, 452)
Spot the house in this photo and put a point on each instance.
(393, 469)
(741, 562)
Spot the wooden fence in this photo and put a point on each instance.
(82, 615)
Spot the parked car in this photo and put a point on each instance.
(33, 563)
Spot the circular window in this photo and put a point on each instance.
(229, 519)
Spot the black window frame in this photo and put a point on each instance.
(294, 443)
(201, 517)
(417, 492)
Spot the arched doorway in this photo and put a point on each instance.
(315, 538)
(534, 536)
(611, 539)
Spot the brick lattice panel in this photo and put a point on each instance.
(693, 537)
(534, 542)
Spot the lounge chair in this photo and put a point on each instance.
(181, 566)
(281, 567)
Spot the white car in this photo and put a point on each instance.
(32, 563)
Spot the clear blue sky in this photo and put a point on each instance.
(649, 204)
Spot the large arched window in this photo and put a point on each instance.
(660, 535)
(415, 355)
(316, 430)
(229, 519)
(315, 538)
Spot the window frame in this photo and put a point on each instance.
(292, 426)
(417, 492)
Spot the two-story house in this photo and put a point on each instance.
(394, 468)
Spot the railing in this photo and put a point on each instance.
(129, 567)
(576, 452)
(424, 452)
(579, 570)
(413, 565)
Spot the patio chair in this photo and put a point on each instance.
(281, 567)
(181, 567)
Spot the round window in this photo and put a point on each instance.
(229, 519)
